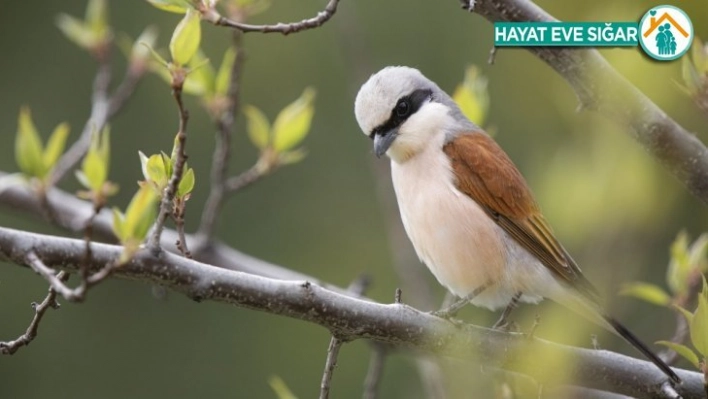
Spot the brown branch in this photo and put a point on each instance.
(10, 347)
(284, 28)
(246, 178)
(332, 352)
(600, 88)
(178, 217)
(222, 149)
(351, 318)
(695, 283)
(168, 196)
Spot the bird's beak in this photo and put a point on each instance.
(382, 141)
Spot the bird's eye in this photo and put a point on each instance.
(403, 108)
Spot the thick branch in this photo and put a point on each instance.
(352, 318)
(599, 87)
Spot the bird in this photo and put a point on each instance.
(467, 209)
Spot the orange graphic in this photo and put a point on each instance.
(654, 23)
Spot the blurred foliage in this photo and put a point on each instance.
(93, 174)
(33, 158)
(280, 388)
(277, 143)
(614, 209)
(472, 97)
(686, 273)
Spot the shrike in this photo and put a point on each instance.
(466, 208)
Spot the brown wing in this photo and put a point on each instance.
(485, 173)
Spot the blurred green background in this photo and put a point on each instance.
(615, 210)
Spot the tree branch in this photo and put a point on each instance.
(10, 347)
(352, 318)
(222, 149)
(73, 213)
(284, 28)
(103, 108)
(168, 195)
(375, 372)
(600, 88)
(332, 352)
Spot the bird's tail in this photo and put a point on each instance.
(628, 336)
(590, 309)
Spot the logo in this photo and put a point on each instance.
(666, 33)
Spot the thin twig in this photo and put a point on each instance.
(10, 347)
(222, 149)
(246, 178)
(178, 216)
(58, 283)
(332, 352)
(284, 28)
(681, 331)
(358, 287)
(166, 204)
(375, 372)
(55, 283)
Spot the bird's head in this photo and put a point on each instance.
(402, 111)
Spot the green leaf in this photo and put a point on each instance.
(647, 292)
(94, 169)
(82, 178)
(186, 185)
(55, 145)
(77, 31)
(679, 266)
(143, 165)
(156, 171)
(28, 146)
(176, 6)
(682, 350)
(291, 157)
(186, 38)
(96, 162)
(97, 17)
(280, 388)
(472, 96)
(688, 315)
(201, 77)
(258, 126)
(140, 213)
(223, 77)
(698, 254)
(168, 163)
(293, 123)
(699, 326)
(119, 225)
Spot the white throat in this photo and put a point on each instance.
(426, 128)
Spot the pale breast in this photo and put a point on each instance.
(451, 234)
